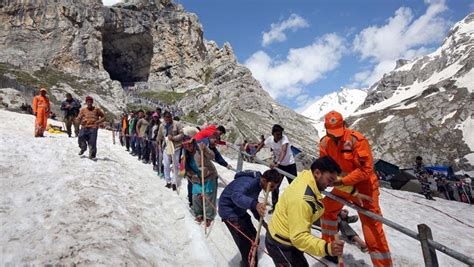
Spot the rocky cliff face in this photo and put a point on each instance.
(425, 106)
(85, 48)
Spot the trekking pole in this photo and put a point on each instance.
(203, 195)
(259, 228)
(340, 262)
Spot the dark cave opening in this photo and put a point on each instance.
(127, 57)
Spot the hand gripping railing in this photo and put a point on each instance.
(424, 235)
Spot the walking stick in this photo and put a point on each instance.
(339, 258)
(259, 228)
(203, 195)
(113, 131)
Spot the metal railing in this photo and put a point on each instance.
(428, 245)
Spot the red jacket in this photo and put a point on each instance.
(205, 133)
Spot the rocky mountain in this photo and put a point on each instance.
(424, 106)
(346, 101)
(133, 54)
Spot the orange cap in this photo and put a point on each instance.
(334, 123)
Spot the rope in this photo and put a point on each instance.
(440, 211)
(254, 244)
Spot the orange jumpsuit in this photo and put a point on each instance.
(42, 108)
(354, 156)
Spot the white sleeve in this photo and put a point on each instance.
(269, 141)
(285, 140)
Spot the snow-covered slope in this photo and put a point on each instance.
(56, 207)
(59, 208)
(431, 103)
(345, 101)
(423, 107)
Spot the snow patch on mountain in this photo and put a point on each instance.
(466, 81)
(345, 101)
(404, 93)
(467, 128)
(448, 116)
(387, 119)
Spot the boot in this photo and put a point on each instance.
(168, 185)
(198, 219)
(82, 152)
(174, 187)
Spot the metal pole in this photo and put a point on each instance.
(240, 162)
(450, 252)
(429, 253)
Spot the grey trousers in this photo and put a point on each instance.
(69, 121)
(88, 138)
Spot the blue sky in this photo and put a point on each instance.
(302, 49)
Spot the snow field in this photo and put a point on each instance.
(59, 208)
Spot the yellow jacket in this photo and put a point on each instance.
(298, 207)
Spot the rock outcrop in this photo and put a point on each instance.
(425, 106)
(153, 45)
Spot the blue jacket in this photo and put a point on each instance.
(240, 195)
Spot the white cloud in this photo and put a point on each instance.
(304, 101)
(110, 2)
(301, 67)
(277, 31)
(402, 36)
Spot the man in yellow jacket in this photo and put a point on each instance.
(289, 235)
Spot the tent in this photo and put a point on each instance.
(401, 179)
(386, 168)
(445, 170)
(295, 150)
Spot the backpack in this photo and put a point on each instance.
(248, 173)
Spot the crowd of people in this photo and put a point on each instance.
(445, 187)
(176, 152)
(181, 152)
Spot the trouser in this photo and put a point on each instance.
(41, 122)
(210, 202)
(69, 121)
(244, 224)
(283, 255)
(172, 161)
(88, 138)
(121, 139)
(291, 169)
(126, 140)
(153, 152)
(426, 190)
(133, 143)
(144, 148)
(159, 161)
(373, 230)
(138, 146)
(190, 193)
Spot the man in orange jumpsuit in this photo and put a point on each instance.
(41, 109)
(352, 152)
